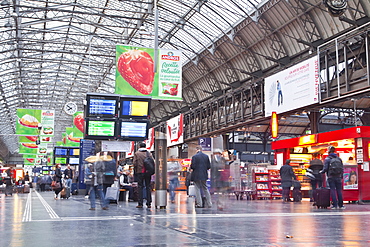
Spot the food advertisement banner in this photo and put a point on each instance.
(175, 131)
(28, 121)
(78, 122)
(135, 72)
(73, 137)
(293, 88)
(32, 148)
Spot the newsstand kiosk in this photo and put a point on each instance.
(352, 146)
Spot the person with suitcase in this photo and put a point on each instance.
(287, 176)
(333, 167)
(200, 164)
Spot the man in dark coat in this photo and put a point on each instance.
(287, 175)
(200, 164)
(143, 179)
(334, 180)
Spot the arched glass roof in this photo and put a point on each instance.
(55, 51)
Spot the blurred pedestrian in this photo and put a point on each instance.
(287, 175)
(200, 165)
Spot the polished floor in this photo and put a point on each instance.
(36, 219)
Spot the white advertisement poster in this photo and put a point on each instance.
(292, 88)
(150, 142)
(175, 130)
(132, 150)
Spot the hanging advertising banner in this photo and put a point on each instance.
(150, 142)
(78, 122)
(132, 151)
(175, 129)
(72, 138)
(292, 88)
(135, 72)
(29, 120)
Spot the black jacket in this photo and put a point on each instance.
(200, 164)
(287, 175)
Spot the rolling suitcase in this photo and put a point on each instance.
(297, 194)
(322, 196)
(26, 188)
(191, 190)
(112, 194)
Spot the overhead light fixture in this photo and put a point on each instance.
(4, 3)
(336, 8)
(8, 25)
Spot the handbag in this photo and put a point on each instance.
(55, 185)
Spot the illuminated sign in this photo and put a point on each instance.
(308, 139)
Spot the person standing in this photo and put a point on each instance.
(110, 172)
(333, 167)
(88, 178)
(97, 185)
(58, 179)
(68, 176)
(316, 166)
(200, 165)
(142, 178)
(287, 175)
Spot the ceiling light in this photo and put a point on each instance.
(5, 2)
(8, 25)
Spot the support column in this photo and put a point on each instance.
(160, 170)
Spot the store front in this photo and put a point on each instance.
(352, 146)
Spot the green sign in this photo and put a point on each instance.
(32, 122)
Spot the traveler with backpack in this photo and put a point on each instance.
(333, 166)
(143, 176)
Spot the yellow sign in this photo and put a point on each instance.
(308, 139)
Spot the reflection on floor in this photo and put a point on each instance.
(37, 219)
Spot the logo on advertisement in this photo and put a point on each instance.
(47, 113)
(171, 57)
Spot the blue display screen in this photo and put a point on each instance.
(133, 129)
(102, 107)
(61, 151)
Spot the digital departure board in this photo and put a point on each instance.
(100, 129)
(61, 151)
(136, 108)
(102, 105)
(133, 130)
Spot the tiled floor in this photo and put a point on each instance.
(36, 219)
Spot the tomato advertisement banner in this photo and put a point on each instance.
(78, 122)
(175, 129)
(135, 73)
(28, 121)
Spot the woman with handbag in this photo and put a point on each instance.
(57, 181)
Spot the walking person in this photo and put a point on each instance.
(141, 177)
(200, 165)
(219, 177)
(97, 185)
(68, 176)
(88, 179)
(333, 167)
(58, 179)
(110, 170)
(287, 175)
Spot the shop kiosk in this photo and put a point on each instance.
(352, 146)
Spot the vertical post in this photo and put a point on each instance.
(155, 36)
(160, 170)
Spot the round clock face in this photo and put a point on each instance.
(70, 108)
